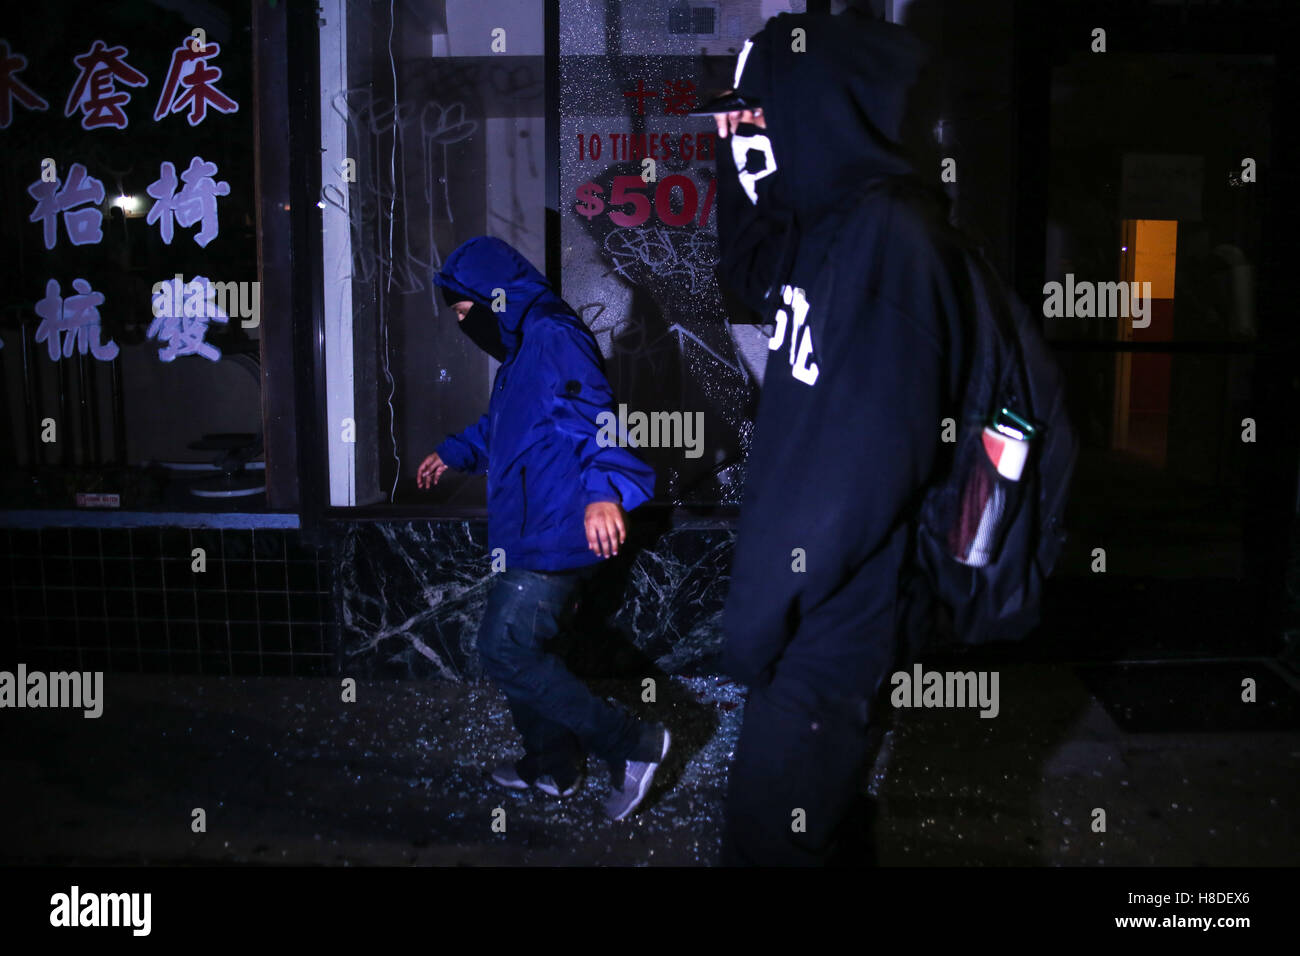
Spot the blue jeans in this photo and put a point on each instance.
(557, 716)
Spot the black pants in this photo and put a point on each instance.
(796, 773)
(802, 748)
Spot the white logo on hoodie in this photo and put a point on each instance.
(741, 145)
(801, 343)
(740, 63)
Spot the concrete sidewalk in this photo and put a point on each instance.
(287, 773)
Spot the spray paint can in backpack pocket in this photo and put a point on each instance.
(1005, 443)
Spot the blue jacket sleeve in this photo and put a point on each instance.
(467, 451)
(579, 392)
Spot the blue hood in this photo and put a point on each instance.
(483, 264)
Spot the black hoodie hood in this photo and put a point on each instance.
(833, 110)
(833, 90)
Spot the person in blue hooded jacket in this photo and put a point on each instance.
(557, 496)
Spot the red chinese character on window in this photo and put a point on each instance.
(101, 104)
(640, 93)
(189, 83)
(679, 97)
(12, 88)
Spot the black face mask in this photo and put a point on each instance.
(774, 200)
(480, 324)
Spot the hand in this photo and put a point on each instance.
(727, 122)
(606, 529)
(430, 471)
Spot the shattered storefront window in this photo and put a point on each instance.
(436, 128)
(637, 198)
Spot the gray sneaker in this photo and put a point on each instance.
(637, 778)
(508, 776)
(547, 784)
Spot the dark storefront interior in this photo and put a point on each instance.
(370, 138)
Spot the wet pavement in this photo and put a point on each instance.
(287, 773)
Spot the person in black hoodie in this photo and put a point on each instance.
(829, 232)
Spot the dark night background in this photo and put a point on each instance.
(223, 688)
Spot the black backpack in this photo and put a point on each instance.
(1020, 523)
